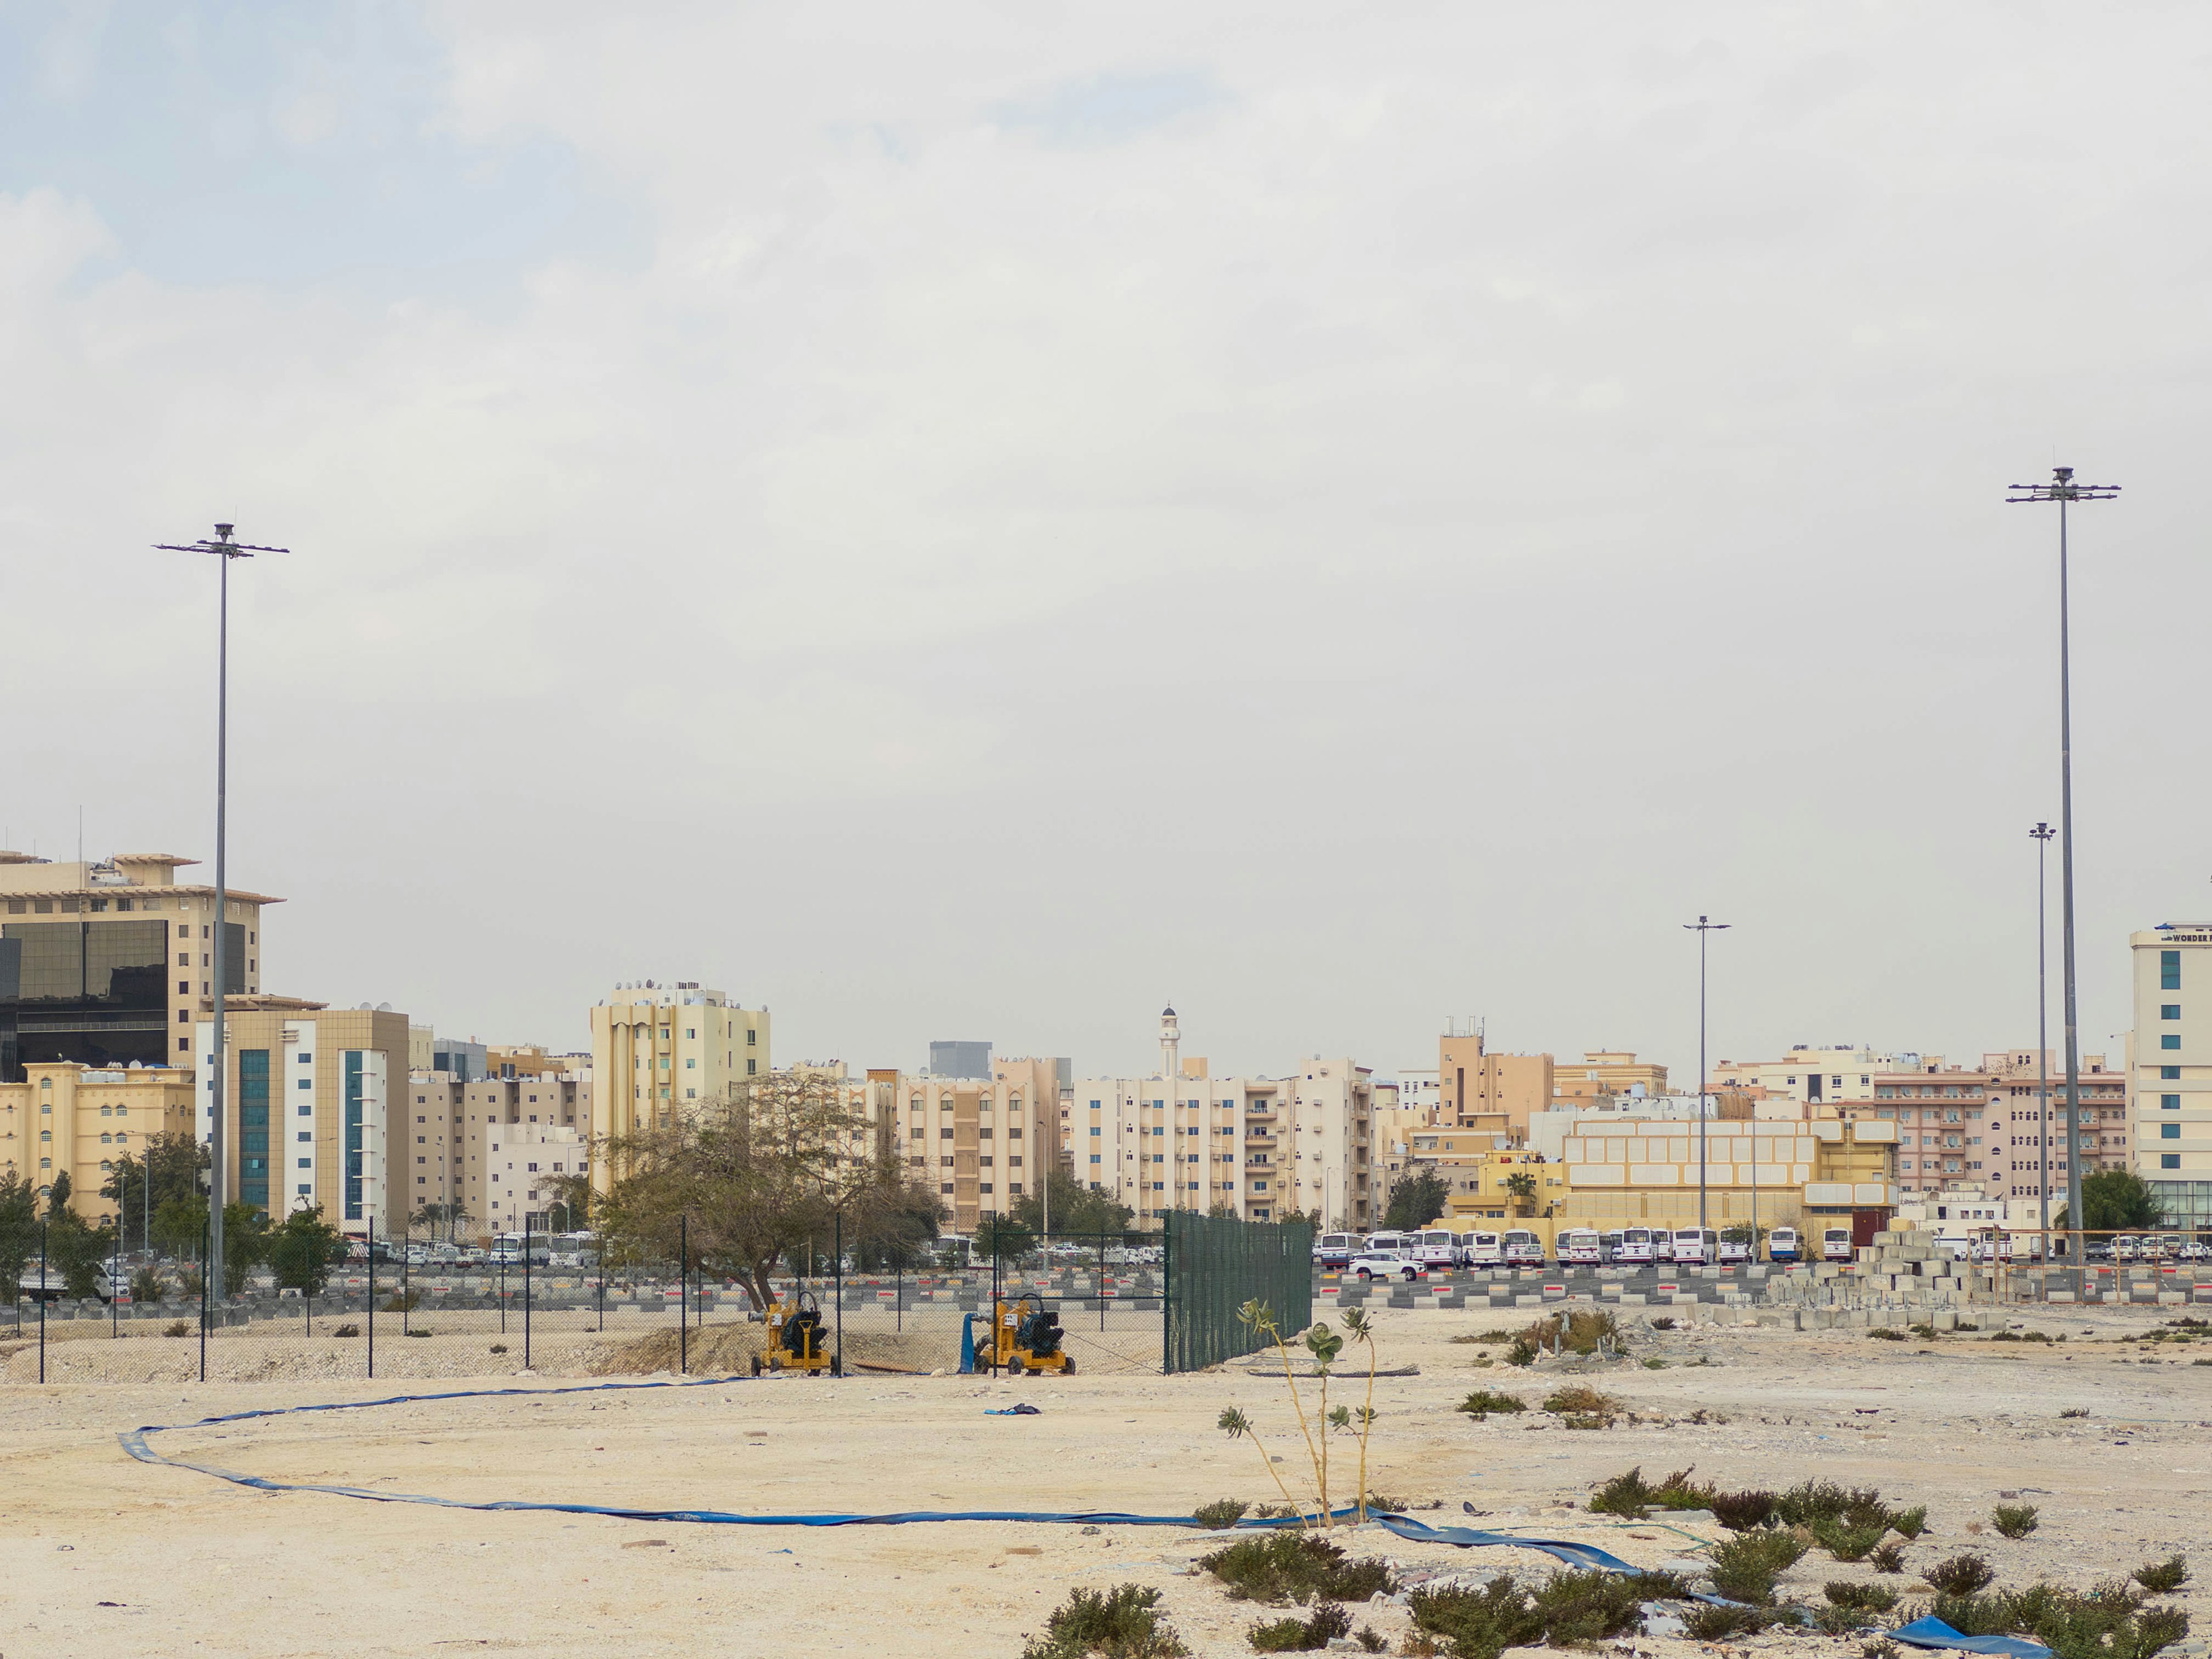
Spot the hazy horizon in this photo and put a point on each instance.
(982, 524)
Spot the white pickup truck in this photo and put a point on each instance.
(53, 1287)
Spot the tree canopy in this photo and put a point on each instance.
(2113, 1200)
(302, 1251)
(174, 1166)
(1075, 1210)
(1419, 1198)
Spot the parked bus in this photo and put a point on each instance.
(1836, 1244)
(1389, 1240)
(1735, 1248)
(1438, 1248)
(1332, 1252)
(1523, 1248)
(1782, 1244)
(1634, 1249)
(1695, 1247)
(1485, 1250)
(1581, 1245)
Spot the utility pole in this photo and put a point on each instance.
(1702, 927)
(2042, 834)
(223, 550)
(2064, 491)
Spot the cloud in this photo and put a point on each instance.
(1109, 109)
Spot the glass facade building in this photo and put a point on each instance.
(93, 992)
(253, 1127)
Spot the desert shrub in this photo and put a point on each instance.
(1710, 1623)
(1847, 1542)
(1587, 1329)
(1370, 1641)
(2014, 1520)
(347, 1329)
(1926, 1333)
(2166, 1577)
(1631, 1496)
(1281, 1567)
(1580, 1400)
(1568, 1608)
(2075, 1411)
(1909, 1523)
(1880, 1648)
(178, 1327)
(1824, 1500)
(1122, 1623)
(1679, 1492)
(1884, 1334)
(1740, 1511)
(1222, 1512)
(1306, 1635)
(1962, 1574)
(1887, 1557)
(1655, 1364)
(403, 1302)
(1483, 1402)
(1664, 1322)
(1499, 1335)
(1745, 1568)
(1870, 1598)
(1522, 1352)
(2019, 1336)
(2107, 1622)
(1840, 1620)
(499, 1347)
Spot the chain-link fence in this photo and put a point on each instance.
(1215, 1266)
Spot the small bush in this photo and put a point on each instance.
(1847, 1542)
(1571, 1608)
(1122, 1623)
(1867, 1598)
(1841, 1622)
(1741, 1511)
(1746, 1567)
(1628, 1495)
(1484, 1403)
(417, 1331)
(2020, 1336)
(1222, 1512)
(2014, 1520)
(1884, 1334)
(1880, 1648)
(403, 1302)
(1708, 1623)
(1297, 1567)
(1811, 1501)
(1587, 1329)
(2168, 1577)
(1909, 1523)
(1926, 1333)
(1962, 1574)
(1371, 1641)
(2075, 1411)
(1579, 1398)
(1491, 1336)
(1664, 1322)
(2107, 1622)
(499, 1347)
(1522, 1352)
(1306, 1635)
(1887, 1557)
(178, 1327)
(346, 1330)
(1655, 1364)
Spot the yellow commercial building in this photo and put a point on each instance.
(67, 1118)
(1646, 1170)
(656, 1048)
(1603, 1072)
(1476, 1089)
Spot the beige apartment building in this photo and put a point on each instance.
(1604, 1072)
(1814, 1077)
(1477, 1088)
(454, 1130)
(1799, 1174)
(64, 1117)
(1983, 1128)
(656, 1048)
(108, 962)
(986, 1142)
(311, 1108)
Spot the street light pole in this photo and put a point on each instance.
(224, 550)
(1702, 927)
(2042, 834)
(2064, 491)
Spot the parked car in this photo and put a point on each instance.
(1438, 1248)
(53, 1286)
(1836, 1244)
(1386, 1264)
(1695, 1247)
(1485, 1250)
(1335, 1251)
(1781, 1245)
(1522, 1248)
(1581, 1246)
(1634, 1249)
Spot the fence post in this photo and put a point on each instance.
(372, 1294)
(115, 1280)
(1167, 1292)
(683, 1319)
(603, 1280)
(43, 1288)
(525, 1290)
(406, 1275)
(837, 1289)
(1102, 1281)
(204, 1298)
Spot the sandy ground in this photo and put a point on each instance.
(102, 1555)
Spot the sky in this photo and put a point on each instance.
(979, 521)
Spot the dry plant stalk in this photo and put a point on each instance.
(1324, 1345)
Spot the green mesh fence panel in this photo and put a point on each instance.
(1215, 1266)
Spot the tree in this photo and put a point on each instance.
(174, 1165)
(19, 1229)
(303, 1250)
(431, 1216)
(1076, 1211)
(771, 1168)
(1418, 1199)
(179, 1225)
(1004, 1237)
(180, 1228)
(75, 1249)
(570, 1210)
(2114, 1200)
(1523, 1188)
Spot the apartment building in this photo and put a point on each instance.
(1602, 1072)
(1814, 1077)
(311, 1108)
(658, 1046)
(2169, 1066)
(987, 1142)
(2016, 1122)
(107, 963)
(516, 1185)
(68, 1118)
(1478, 1089)
(445, 1144)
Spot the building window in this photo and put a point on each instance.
(2169, 1131)
(2169, 1074)
(2169, 1160)
(2169, 1011)
(2169, 1040)
(2169, 970)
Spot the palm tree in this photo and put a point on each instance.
(1523, 1188)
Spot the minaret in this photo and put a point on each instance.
(1171, 1046)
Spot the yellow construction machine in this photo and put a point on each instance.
(1025, 1337)
(795, 1338)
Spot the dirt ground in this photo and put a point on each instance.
(103, 1555)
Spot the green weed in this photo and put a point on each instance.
(2014, 1520)
(1288, 1566)
(1122, 1623)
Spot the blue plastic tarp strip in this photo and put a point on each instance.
(1933, 1632)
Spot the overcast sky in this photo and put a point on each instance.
(977, 521)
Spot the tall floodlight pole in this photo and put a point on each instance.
(1702, 927)
(224, 551)
(2042, 834)
(2063, 490)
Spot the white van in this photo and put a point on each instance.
(1836, 1244)
(1735, 1247)
(1581, 1245)
(1334, 1251)
(1782, 1244)
(1695, 1247)
(1387, 1241)
(1522, 1248)
(1437, 1247)
(1634, 1249)
(1485, 1250)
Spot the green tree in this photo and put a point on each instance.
(1521, 1186)
(303, 1250)
(1004, 1237)
(1076, 1211)
(180, 1225)
(2114, 1200)
(18, 1231)
(1419, 1198)
(75, 1250)
(174, 1166)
